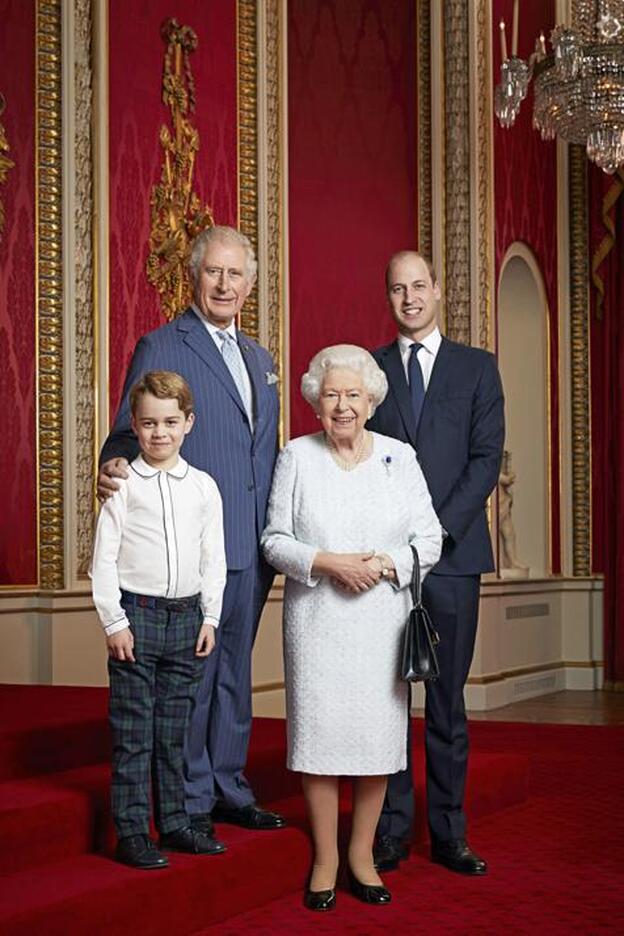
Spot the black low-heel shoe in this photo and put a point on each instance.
(368, 893)
(319, 900)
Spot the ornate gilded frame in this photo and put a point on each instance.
(423, 104)
(49, 293)
(457, 176)
(579, 364)
(248, 145)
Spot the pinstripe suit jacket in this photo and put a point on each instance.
(221, 441)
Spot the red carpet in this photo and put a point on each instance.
(544, 801)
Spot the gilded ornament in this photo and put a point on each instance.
(177, 213)
(5, 162)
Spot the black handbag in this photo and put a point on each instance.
(419, 662)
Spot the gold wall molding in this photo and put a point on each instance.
(579, 364)
(423, 103)
(84, 362)
(482, 153)
(177, 214)
(5, 162)
(248, 146)
(274, 156)
(457, 170)
(49, 291)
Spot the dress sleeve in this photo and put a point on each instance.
(103, 571)
(212, 566)
(279, 542)
(425, 529)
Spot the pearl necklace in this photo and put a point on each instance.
(342, 462)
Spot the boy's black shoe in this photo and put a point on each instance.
(192, 841)
(138, 851)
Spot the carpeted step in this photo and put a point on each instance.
(92, 894)
(61, 815)
(54, 817)
(45, 729)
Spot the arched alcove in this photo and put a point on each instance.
(523, 357)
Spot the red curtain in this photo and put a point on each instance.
(607, 332)
(136, 113)
(18, 379)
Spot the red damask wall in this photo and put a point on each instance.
(352, 171)
(525, 193)
(18, 459)
(136, 113)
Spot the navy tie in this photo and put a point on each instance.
(416, 382)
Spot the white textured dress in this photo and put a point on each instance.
(346, 704)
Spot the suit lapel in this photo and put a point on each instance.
(398, 382)
(195, 335)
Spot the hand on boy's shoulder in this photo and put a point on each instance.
(106, 483)
(121, 645)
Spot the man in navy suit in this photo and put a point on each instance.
(446, 400)
(235, 441)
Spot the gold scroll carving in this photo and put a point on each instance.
(177, 214)
(5, 162)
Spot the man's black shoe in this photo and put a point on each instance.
(190, 840)
(456, 856)
(388, 851)
(249, 817)
(138, 851)
(202, 822)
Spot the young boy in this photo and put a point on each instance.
(158, 575)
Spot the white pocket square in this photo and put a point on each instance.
(271, 378)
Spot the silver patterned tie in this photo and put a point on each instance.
(232, 357)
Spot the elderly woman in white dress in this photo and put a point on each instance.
(346, 507)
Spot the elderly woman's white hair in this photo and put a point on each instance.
(347, 357)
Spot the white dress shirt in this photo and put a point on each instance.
(213, 331)
(426, 355)
(160, 534)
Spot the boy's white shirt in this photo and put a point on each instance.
(160, 534)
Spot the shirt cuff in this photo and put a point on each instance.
(212, 620)
(115, 626)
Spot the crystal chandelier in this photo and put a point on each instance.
(578, 86)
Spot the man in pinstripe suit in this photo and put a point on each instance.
(235, 441)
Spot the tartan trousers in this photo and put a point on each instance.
(149, 708)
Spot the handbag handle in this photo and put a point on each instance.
(416, 584)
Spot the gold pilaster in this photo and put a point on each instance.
(274, 156)
(457, 170)
(579, 365)
(423, 79)
(248, 146)
(484, 170)
(85, 412)
(49, 292)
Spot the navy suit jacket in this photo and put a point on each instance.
(221, 441)
(458, 442)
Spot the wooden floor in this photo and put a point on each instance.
(559, 708)
(569, 708)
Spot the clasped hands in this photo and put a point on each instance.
(351, 572)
